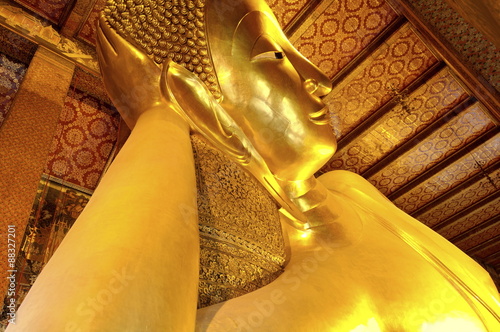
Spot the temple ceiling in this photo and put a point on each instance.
(415, 102)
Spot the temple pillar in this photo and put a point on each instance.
(25, 139)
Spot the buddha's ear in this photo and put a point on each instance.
(204, 114)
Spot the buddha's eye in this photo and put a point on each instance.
(269, 55)
(266, 48)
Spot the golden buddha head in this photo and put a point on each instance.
(238, 50)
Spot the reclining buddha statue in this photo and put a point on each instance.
(211, 218)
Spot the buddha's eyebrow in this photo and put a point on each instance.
(250, 24)
(266, 47)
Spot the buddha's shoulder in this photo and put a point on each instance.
(351, 184)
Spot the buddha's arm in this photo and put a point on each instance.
(134, 249)
(131, 260)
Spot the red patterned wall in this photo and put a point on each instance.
(49, 9)
(88, 30)
(83, 141)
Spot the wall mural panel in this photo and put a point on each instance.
(16, 47)
(11, 74)
(55, 209)
(395, 64)
(83, 141)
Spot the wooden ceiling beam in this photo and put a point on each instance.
(367, 123)
(444, 163)
(475, 229)
(469, 182)
(421, 136)
(475, 83)
(471, 208)
(299, 19)
(484, 245)
(492, 258)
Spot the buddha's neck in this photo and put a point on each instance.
(313, 200)
(325, 213)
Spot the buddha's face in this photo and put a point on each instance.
(269, 88)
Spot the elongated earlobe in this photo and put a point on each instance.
(203, 112)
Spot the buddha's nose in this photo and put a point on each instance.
(311, 85)
(315, 81)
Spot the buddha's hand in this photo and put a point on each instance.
(131, 78)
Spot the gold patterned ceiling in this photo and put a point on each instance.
(415, 111)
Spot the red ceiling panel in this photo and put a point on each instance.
(456, 173)
(472, 219)
(428, 103)
(481, 236)
(396, 64)
(286, 10)
(342, 31)
(448, 139)
(460, 201)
